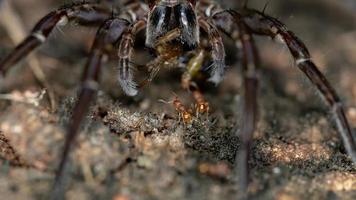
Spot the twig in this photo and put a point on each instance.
(27, 97)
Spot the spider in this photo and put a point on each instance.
(177, 29)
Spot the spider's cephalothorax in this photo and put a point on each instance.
(167, 15)
(172, 28)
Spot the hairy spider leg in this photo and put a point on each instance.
(83, 13)
(125, 51)
(108, 34)
(261, 24)
(217, 50)
(250, 108)
(250, 72)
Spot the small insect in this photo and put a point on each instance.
(174, 29)
(202, 106)
(185, 113)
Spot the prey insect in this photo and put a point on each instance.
(174, 28)
(185, 113)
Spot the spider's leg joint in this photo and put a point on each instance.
(63, 21)
(91, 85)
(336, 106)
(279, 38)
(39, 36)
(301, 60)
(208, 11)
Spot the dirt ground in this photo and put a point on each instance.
(137, 148)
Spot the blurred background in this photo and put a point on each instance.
(296, 153)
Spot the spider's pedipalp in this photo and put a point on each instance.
(125, 72)
(217, 51)
(125, 67)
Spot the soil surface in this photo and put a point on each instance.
(138, 148)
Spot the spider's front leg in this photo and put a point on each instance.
(108, 34)
(83, 13)
(261, 24)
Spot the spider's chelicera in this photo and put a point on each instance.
(175, 28)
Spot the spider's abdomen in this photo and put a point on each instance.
(163, 18)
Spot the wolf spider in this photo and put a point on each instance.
(173, 28)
